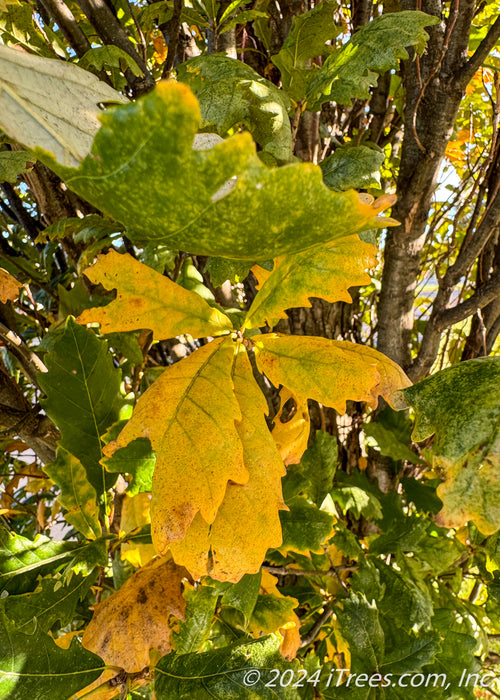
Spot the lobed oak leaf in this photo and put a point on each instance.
(325, 271)
(9, 286)
(329, 371)
(291, 427)
(137, 618)
(247, 523)
(461, 406)
(189, 416)
(147, 299)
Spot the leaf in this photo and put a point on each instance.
(360, 627)
(78, 495)
(83, 229)
(222, 269)
(305, 527)
(190, 199)
(22, 560)
(111, 56)
(274, 613)
(33, 666)
(325, 271)
(220, 673)
(319, 464)
(241, 596)
(12, 164)
(307, 39)
(147, 299)
(54, 600)
(135, 514)
(137, 617)
(231, 93)
(247, 523)
(375, 48)
(407, 605)
(200, 612)
(9, 286)
(83, 396)
(392, 433)
(354, 167)
(51, 104)
(137, 459)
(189, 416)
(462, 407)
(328, 371)
(291, 427)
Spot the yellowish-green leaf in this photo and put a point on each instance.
(461, 405)
(221, 201)
(189, 416)
(325, 271)
(146, 299)
(329, 371)
(247, 523)
(9, 286)
(291, 427)
(78, 495)
(137, 618)
(135, 514)
(51, 104)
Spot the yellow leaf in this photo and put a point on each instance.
(146, 299)
(64, 641)
(9, 286)
(291, 429)
(325, 271)
(137, 617)
(288, 627)
(161, 50)
(247, 523)
(189, 416)
(135, 514)
(328, 371)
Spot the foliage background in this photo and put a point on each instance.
(374, 573)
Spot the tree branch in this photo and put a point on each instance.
(486, 293)
(465, 73)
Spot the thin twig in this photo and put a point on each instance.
(315, 629)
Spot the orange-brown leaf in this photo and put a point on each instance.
(9, 286)
(138, 617)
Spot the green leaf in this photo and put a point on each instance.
(325, 271)
(221, 673)
(405, 603)
(83, 399)
(111, 56)
(360, 627)
(319, 464)
(461, 405)
(222, 269)
(23, 560)
(77, 496)
(54, 600)
(50, 104)
(12, 164)
(375, 48)
(189, 198)
(356, 167)
(305, 526)
(243, 18)
(392, 432)
(138, 459)
(89, 227)
(307, 38)
(231, 93)
(200, 611)
(33, 666)
(241, 596)
(407, 653)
